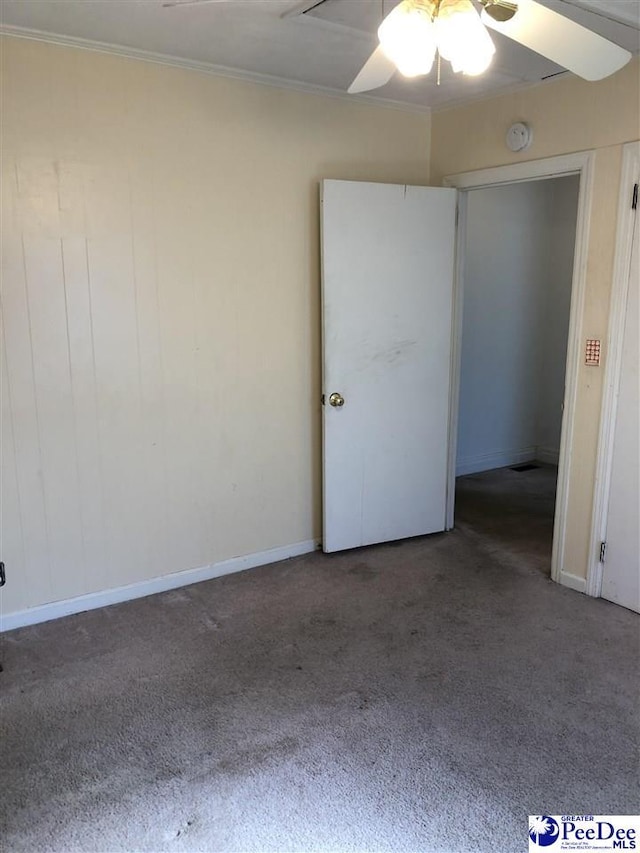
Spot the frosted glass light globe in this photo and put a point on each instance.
(407, 37)
(462, 38)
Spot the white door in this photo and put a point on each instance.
(387, 293)
(621, 576)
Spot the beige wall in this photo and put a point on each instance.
(161, 370)
(566, 115)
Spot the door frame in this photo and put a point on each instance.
(582, 164)
(630, 174)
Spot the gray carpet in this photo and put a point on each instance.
(513, 512)
(425, 696)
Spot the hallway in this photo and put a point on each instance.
(512, 510)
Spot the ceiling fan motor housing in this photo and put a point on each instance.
(499, 10)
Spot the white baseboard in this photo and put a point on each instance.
(499, 459)
(573, 581)
(548, 455)
(504, 458)
(57, 609)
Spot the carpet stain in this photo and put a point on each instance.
(168, 774)
(322, 622)
(184, 828)
(181, 831)
(363, 570)
(247, 760)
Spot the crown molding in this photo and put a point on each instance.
(207, 68)
(550, 80)
(509, 89)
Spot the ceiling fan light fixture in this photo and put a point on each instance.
(500, 10)
(408, 38)
(462, 38)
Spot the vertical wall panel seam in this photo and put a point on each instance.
(73, 409)
(95, 390)
(163, 375)
(37, 417)
(134, 275)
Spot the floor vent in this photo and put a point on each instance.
(530, 466)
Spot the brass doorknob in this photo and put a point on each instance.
(336, 399)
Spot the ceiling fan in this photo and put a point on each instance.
(415, 31)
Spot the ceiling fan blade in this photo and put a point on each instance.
(376, 71)
(561, 40)
(173, 4)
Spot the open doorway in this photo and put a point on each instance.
(516, 285)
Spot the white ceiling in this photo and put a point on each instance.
(322, 48)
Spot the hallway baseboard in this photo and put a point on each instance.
(548, 455)
(499, 459)
(505, 458)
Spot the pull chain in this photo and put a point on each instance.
(434, 15)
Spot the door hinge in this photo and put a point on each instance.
(322, 400)
(603, 551)
(634, 197)
(3, 577)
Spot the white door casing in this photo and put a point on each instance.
(621, 571)
(387, 293)
(617, 397)
(582, 164)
